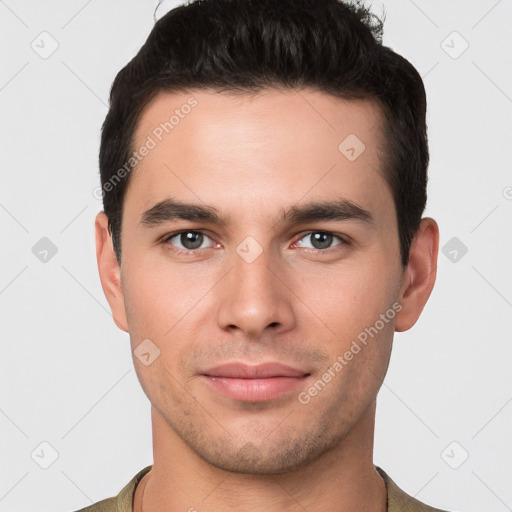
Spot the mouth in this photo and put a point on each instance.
(260, 383)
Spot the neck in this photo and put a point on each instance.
(342, 479)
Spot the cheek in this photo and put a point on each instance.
(157, 297)
(350, 298)
(165, 305)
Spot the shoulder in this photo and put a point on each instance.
(123, 501)
(400, 501)
(107, 505)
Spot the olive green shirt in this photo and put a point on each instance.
(398, 500)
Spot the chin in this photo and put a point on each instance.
(281, 456)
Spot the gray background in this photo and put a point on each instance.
(66, 373)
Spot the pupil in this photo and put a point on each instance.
(321, 240)
(191, 240)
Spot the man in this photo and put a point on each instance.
(264, 168)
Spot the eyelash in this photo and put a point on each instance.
(343, 241)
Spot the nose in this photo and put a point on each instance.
(255, 298)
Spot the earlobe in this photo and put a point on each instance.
(110, 272)
(419, 275)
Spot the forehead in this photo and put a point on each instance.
(209, 145)
(302, 111)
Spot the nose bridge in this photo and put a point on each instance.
(254, 276)
(254, 298)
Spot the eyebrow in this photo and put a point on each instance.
(339, 210)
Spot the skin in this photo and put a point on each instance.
(251, 157)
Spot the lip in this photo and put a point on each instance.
(237, 370)
(253, 383)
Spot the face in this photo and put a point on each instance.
(259, 249)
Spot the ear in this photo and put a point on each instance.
(419, 275)
(110, 272)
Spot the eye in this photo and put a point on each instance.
(321, 240)
(188, 241)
